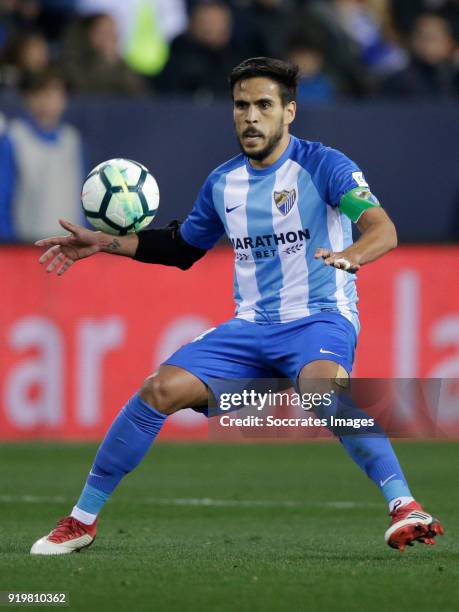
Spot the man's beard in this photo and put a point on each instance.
(268, 149)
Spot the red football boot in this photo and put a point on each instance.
(411, 524)
(69, 536)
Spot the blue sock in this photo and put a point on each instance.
(123, 448)
(376, 457)
(371, 450)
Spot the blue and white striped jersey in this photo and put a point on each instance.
(275, 219)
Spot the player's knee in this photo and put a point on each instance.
(157, 391)
(321, 375)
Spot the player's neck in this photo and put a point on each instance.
(274, 156)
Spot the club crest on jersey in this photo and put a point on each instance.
(285, 200)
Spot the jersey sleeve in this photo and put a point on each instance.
(339, 175)
(203, 227)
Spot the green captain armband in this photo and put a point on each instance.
(357, 201)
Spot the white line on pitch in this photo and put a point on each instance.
(254, 503)
(201, 501)
(33, 499)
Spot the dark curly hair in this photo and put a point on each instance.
(285, 74)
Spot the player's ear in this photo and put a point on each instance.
(289, 112)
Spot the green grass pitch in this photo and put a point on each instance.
(209, 527)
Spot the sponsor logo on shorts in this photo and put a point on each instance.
(323, 351)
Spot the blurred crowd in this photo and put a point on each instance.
(344, 48)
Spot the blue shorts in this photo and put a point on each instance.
(240, 349)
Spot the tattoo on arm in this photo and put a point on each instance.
(114, 245)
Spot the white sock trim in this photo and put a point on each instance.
(397, 502)
(84, 517)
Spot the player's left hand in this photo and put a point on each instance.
(341, 261)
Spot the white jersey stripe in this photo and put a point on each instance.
(336, 237)
(235, 204)
(294, 291)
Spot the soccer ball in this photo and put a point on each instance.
(120, 196)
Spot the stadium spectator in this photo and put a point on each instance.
(319, 25)
(25, 14)
(365, 28)
(92, 62)
(25, 52)
(405, 13)
(41, 163)
(201, 57)
(368, 24)
(17, 17)
(146, 27)
(263, 27)
(314, 85)
(432, 71)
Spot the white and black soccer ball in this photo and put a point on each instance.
(120, 196)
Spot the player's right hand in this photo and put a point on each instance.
(63, 251)
(341, 260)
